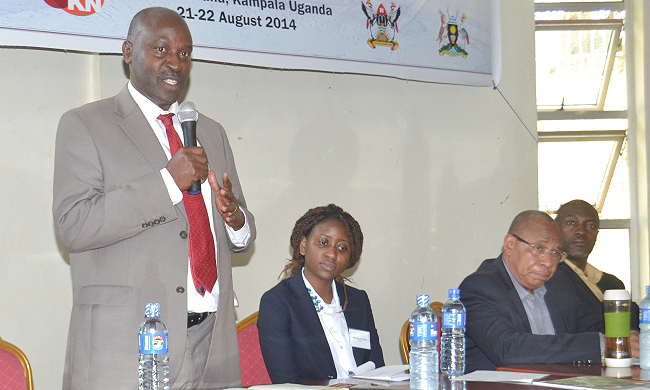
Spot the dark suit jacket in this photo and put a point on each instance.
(498, 331)
(610, 282)
(107, 190)
(607, 282)
(293, 342)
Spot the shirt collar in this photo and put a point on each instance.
(149, 108)
(591, 276)
(593, 273)
(319, 304)
(523, 293)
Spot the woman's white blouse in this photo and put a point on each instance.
(336, 330)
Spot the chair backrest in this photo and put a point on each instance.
(404, 336)
(15, 371)
(253, 369)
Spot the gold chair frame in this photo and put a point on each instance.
(246, 322)
(7, 346)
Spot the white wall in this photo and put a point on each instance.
(433, 173)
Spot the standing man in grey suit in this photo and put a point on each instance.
(135, 235)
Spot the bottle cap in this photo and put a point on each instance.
(152, 309)
(454, 293)
(616, 295)
(422, 299)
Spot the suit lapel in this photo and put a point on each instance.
(137, 128)
(209, 144)
(135, 125)
(354, 320)
(555, 311)
(217, 163)
(309, 319)
(513, 295)
(351, 312)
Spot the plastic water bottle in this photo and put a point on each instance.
(644, 327)
(154, 358)
(424, 341)
(452, 339)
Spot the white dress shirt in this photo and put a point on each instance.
(195, 302)
(336, 330)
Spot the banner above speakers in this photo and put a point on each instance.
(453, 42)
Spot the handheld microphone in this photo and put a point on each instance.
(188, 116)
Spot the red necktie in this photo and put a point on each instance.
(201, 248)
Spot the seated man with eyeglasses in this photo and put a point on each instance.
(517, 312)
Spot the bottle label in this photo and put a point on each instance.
(644, 316)
(153, 344)
(453, 320)
(423, 331)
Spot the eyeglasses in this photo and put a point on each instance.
(539, 250)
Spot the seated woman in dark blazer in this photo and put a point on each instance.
(312, 325)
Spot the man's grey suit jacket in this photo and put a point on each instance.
(128, 244)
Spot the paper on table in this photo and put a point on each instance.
(499, 376)
(386, 373)
(595, 382)
(362, 369)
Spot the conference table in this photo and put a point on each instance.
(633, 372)
(554, 371)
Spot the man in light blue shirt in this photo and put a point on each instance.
(519, 312)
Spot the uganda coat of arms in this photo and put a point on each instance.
(450, 31)
(382, 24)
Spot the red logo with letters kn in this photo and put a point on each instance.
(77, 7)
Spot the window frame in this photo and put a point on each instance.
(562, 113)
(616, 26)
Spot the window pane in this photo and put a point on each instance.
(612, 253)
(617, 202)
(571, 170)
(571, 66)
(616, 98)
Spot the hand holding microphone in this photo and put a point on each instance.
(227, 203)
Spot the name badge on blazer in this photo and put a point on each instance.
(360, 338)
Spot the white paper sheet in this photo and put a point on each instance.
(386, 373)
(500, 376)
